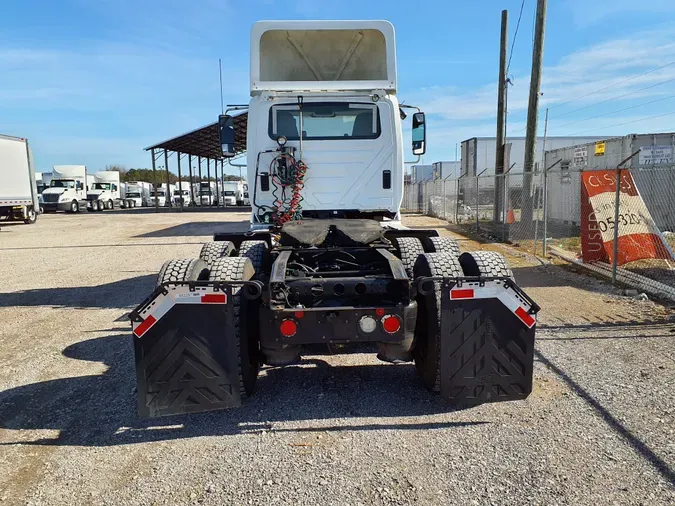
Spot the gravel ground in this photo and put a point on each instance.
(345, 429)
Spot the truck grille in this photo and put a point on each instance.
(50, 197)
(92, 197)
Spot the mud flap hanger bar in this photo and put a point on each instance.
(472, 288)
(191, 292)
(424, 286)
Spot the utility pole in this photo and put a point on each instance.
(501, 116)
(533, 111)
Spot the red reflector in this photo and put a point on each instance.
(299, 314)
(379, 311)
(391, 323)
(461, 294)
(214, 298)
(145, 325)
(288, 328)
(527, 318)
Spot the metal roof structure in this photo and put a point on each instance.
(205, 141)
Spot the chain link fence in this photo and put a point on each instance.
(542, 212)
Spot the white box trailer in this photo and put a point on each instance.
(18, 188)
(67, 190)
(653, 170)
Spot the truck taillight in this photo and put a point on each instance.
(391, 324)
(288, 328)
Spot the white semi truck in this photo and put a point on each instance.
(18, 189)
(208, 193)
(105, 193)
(233, 193)
(138, 192)
(164, 196)
(326, 259)
(182, 194)
(67, 190)
(42, 180)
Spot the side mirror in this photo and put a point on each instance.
(226, 129)
(419, 134)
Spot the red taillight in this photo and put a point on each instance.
(391, 323)
(299, 314)
(379, 311)
(288, 328)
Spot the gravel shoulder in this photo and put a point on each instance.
(344, 429)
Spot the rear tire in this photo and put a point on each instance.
(485, 263)
(189, 269)
(74, 206)
(31, 218)
(257, 252)
(245, 319)
(211, 251)
(110, 205)
(426, 348)
(441, 245)
(409, 249)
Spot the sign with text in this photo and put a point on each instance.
(638, 235)
(600, 148)
(656, 155)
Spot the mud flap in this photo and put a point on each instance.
(487, 341)
(185, 362)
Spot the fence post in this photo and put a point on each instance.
(616, 223)
(545, 212)
(477, 208)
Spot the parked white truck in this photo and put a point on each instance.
(105, 192)
(18, 189)
(182, 194)
(326, 260)
(67, 190)
(233, 193)
(208, 193)
(138, 192)
(42, 180)
(162, 194)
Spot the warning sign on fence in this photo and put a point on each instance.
(638, 235)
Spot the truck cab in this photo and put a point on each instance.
(104, 193)
(325, 92)
(208, 193)
(67, 189)
(231, 193)
(138, 192)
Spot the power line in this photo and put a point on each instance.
(626, 123)
(614, 112)
(615, 98)
(612, 85)
(513, 42)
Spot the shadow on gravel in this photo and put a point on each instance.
(198, 228)
(118, 294)
(635, 442)
(124, 245)
(101, 410)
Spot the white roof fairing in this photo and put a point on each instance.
(323, 56)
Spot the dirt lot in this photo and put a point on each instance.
(598, 428)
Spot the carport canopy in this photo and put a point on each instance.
(205, 141)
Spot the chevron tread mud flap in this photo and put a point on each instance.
(487, 347)
(185, 362)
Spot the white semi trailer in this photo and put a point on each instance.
(326, 259)
(18, 189)
(67, 190)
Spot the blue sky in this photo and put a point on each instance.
(95, 81)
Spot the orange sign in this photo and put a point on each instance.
(638, 235)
